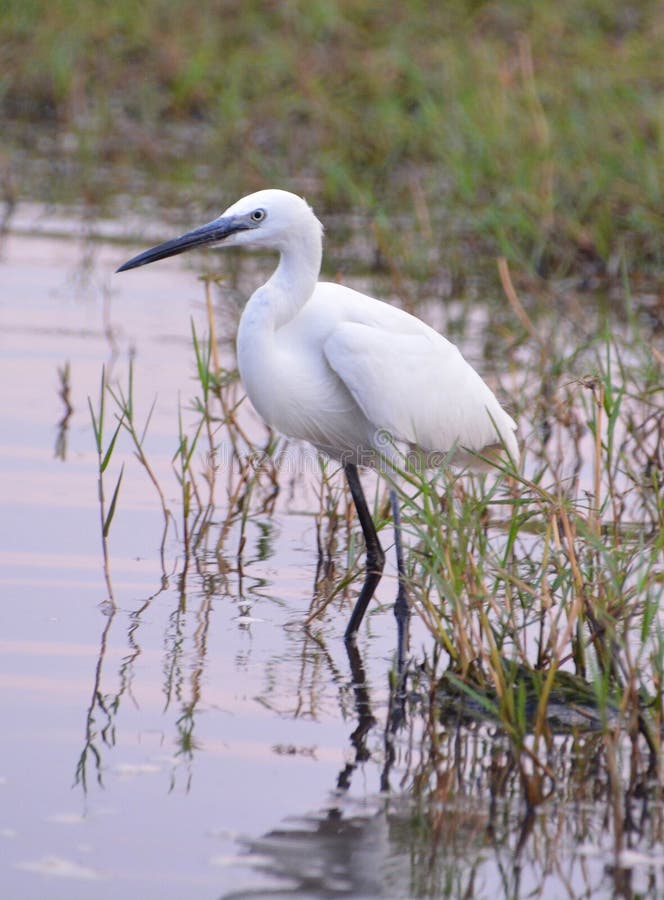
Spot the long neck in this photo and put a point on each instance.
(272, 306)
(293, 281)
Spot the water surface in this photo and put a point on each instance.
(170, 729)
(143, 748)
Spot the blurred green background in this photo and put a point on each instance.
(530, 129)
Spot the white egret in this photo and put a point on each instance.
(357, 378)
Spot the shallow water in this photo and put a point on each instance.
(143, 748)
(197, 741)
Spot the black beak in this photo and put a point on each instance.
(211, 233)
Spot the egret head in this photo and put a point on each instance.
(271, 218)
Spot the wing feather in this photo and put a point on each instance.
(418, 387)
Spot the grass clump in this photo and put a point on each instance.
(543, 587)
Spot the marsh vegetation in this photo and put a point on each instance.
(496, 168)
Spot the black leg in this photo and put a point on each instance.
(402, 606)
(375, 554)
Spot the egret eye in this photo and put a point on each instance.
(258, 215)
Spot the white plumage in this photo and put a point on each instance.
(354, 376)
